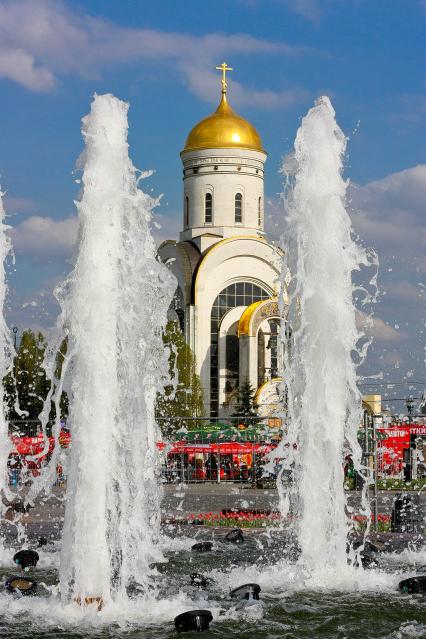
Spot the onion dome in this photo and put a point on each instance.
(223, 129)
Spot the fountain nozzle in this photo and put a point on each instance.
(193, 621)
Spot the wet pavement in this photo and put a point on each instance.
(180, 500)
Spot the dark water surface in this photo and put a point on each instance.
(285, 610)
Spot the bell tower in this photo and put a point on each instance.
(223, 177)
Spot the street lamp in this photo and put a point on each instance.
(423, 403)
(410, 405)
(377, 423)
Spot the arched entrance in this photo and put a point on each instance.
(243, 294)
(258, 331)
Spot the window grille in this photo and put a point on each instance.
(208, 208)
(238, 208)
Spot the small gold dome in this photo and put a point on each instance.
(223, 129)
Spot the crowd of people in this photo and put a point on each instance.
(211, 467)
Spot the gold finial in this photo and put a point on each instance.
(224, 68)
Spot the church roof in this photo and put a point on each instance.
(244, 323)
(223, 129)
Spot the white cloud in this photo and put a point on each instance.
(166, 227)
(412, 109)
(43, 39)
(309, 9)
(44, 238)
(378, 329)
(37, 310)
(15, 205)
(390, 214)
(392, 359)
(204, 84)
(404, 291)
(18, 65)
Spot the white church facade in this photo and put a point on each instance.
(227, 271)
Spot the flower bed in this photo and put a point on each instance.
(383, 522)
(236, 519)
(265, 518)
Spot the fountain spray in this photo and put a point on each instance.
(6, 355)
(114, 307)
(324, 404)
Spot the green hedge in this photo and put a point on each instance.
(400, 484)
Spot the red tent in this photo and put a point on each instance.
(391, 449)
(222, 448)
(28, 446)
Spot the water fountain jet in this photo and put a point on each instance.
(114, 307)
(6, 355)
(324, 404)
(108, 543)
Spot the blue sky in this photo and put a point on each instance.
(368, 56)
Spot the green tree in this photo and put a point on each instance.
(63, 402)
(26, 385)
(245, 408)
(186, 400)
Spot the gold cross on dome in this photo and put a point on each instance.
(224, 68)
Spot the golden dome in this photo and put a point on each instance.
(223, 129)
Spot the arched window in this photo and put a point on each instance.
(239, 294)
(260, 358)
(259, 212)
(238, 208)
(232, 356)
(186, 220)
(208, 208)
(274, 327)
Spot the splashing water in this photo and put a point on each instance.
(114, 306)
(324, 405)
(6, 351)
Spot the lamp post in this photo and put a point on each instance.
(423, 403)
(409, 402)
(376, 496)
(15, 334)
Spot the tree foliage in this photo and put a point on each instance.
(245, 408)
(184, 396)
(26, 385)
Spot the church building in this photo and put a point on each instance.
(227, 271)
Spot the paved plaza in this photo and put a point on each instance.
(180, 500)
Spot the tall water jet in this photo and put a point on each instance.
(114, 307)
(324, 405)
(6, 351)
